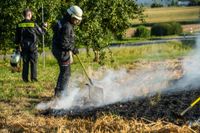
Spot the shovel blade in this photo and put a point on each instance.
(92, 95)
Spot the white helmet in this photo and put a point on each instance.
(15, 58)
(75, 12)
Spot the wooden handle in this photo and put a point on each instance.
(84, 70)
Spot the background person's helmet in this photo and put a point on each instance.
(15, 58)
(76, 12)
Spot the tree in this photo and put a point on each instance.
(11, 14)
(7, 22)
(195, 2)
(105, 20)
(142, 31)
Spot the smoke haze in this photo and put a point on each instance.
(123, 85)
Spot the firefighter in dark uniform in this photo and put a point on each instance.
(63, 45)
(26, 40)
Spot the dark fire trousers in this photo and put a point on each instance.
(63, 78)
(29, 58)
(63, 60)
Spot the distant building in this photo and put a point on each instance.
(183, 3)
(150, 2)
(163, 2)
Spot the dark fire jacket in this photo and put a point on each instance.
(26, 35)
(63, 39)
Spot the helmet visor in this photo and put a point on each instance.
(77, 17)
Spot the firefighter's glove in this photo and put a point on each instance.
(17, 48)
(45, 25)
(75, 51)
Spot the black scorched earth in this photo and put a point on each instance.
(166, 106)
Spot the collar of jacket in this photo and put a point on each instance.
(67, 18)
(26, 20)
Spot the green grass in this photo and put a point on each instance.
(150, 52)
(168, 14)
(131, 40)
(11, 85)
(140, 39)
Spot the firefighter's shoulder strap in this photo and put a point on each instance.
(59, 25)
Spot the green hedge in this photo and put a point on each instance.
(155, 5)
(163, 29)
(176, 28)
(142, 31)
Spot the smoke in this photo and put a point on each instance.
(117, 86)
(191, 70)
(123, 85)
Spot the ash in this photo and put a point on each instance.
(154, 107)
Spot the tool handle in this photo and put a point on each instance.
(192, 104)
(43, 45)
(195, 102)
(84, 70)
(42, 13)
(186, 110)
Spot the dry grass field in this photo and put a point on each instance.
(168, 14)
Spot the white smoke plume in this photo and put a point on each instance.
(123, 85)
(117, 86)
(191, 69)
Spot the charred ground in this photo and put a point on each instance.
(163, 106)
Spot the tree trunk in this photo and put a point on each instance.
(4, 54)
(87, 51)
(96, 55)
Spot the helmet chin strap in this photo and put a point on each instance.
(74, 21)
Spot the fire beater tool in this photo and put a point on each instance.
(180, 116)
(190, 107)
(94, 94)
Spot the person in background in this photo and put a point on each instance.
(63, 45)
(26, 36)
